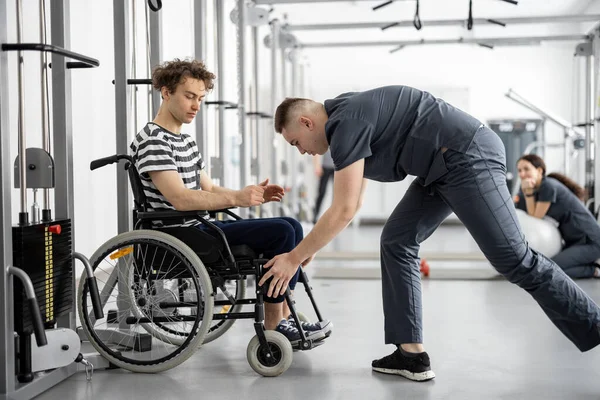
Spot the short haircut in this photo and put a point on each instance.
(171, 73)
(286, 109)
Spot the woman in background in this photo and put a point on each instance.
(562, 199)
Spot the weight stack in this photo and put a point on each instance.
(44, 252)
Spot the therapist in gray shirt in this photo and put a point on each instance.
(386, 134)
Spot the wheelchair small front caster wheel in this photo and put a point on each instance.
(275, 363)
(307, 345)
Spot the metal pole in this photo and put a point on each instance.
(294, 158)
(200, 34)
(310, 1)
(22, 135)
(7, 341)
(256, 121)
(241, 93)
(589, 118)
(155, 52)
(134, 95)
(596, 115)
(286, 150)
(44, 87)
(510, 21)
(566, 153)
(122, 93)
(274, 95)
(220, 24)
(517, 98)
(64, 203)
(492, 41)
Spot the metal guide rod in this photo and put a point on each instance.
(22, 143)
(256, 120)
(44, 86)
(200, 34)
(511, 94)
(241, 93)
(274, 93)
(446, 22)
(220, 25)
(489, 41)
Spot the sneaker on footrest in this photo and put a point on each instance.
(324, 326)
(293, 335)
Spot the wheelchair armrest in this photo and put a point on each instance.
(213, 213)
(221, 235)
(156, 215)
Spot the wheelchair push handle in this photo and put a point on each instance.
(101, 162)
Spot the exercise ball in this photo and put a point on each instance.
(542, 234)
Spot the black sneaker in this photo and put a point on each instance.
(293, 335)
(416, 368)
(323, 326)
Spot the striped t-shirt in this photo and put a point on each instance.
(156, 149)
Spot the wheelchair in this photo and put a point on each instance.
(166, 288)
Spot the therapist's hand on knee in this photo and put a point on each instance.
(282, 268)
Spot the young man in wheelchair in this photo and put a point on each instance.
(173, 178)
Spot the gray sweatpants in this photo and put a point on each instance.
(475, 189)
(578, 260)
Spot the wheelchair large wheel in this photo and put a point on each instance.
(281, 352)
(187, 294)
(219, 327)
(137, 273)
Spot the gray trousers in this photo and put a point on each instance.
(475, 190)
(578, 260)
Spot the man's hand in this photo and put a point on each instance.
(252, 195)
(282, 268)
(528, 185)
(272, 192)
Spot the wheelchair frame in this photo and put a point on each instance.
(219, 261)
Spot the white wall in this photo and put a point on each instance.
(542, 74)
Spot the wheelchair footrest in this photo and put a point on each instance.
(308, 345)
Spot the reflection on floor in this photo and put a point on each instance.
(451, 253)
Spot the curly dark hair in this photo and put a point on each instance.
(538, 162)
(171, 74)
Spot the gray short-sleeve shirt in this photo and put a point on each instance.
(577, 225)
(398, 130)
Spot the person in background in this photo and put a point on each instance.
(560, 198)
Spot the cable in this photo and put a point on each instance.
(417, 20)
(470, 19)
(156, 7)
(387, 3)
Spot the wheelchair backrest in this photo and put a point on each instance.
(205, 245)
(139, 197)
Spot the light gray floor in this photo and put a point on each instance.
(487, 339)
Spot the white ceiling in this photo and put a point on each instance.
(311, 12)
